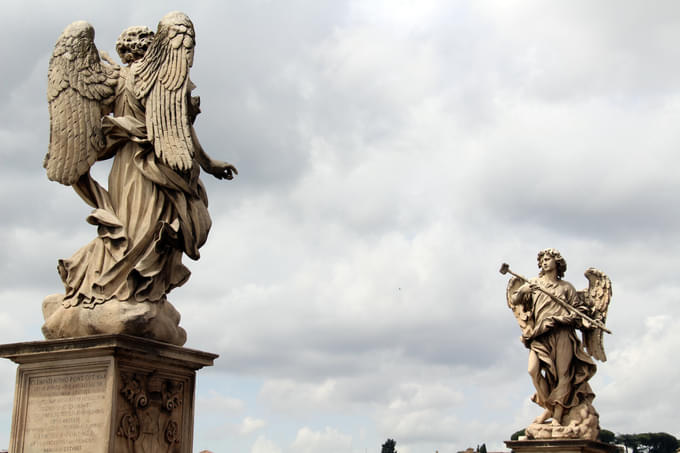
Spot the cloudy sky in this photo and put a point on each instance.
(392, 154)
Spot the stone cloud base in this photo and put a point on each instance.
(560, 446)
(103, 394)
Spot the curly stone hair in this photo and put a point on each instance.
(133, 43)
(561, 262)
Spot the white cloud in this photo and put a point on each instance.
(249, 425)
(391, 156)
(214, 401)
(640, 372)
(329, 439)
(416, 395)
(264, 445)
(289, 393)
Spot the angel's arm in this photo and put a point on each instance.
(522, 295)
(576, 300)
(217, 168)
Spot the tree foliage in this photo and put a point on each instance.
(634, 443)
(389, 446)
(642, 443)
(654, 443)
(606, 436)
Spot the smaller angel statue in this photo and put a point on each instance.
(155, 208)
(549, 311)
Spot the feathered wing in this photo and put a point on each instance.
(78, 85)
(162, 77)
(596, 297)
(521, 312)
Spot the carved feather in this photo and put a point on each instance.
(522, 313)
(78, 86)
(162, 77)
(596, 297)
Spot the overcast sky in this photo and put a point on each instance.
(391, 155)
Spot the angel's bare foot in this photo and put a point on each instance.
(543, 417)
(558, 410)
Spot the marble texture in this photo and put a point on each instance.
(560, 446)
(155, 208)
(103, 394)
(551, 313)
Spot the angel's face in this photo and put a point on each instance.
(548, 263)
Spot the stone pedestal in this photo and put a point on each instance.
(560, 446)
(103, 394)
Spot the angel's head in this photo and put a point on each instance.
(133, 43)
(554, 254)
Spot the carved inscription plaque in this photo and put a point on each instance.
(67, 413)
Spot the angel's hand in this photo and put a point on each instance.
(221, 170)
(104, 55)
(528, 288)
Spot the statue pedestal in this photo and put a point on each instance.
(103, 394)
(560, 446)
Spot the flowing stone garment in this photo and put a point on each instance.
(565, 364)
(149, 216)
(155, 208)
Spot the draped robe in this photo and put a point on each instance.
(149, 216)
(564, 364)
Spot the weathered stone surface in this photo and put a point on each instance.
(159, 320)
(66, 410)
(155, 209)
(108, 393)
(560, 446)
(550, 313)
(580, 422)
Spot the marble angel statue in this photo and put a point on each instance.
(550, 311)
(154, 210)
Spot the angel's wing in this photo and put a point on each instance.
(162, 77)
(78, 85)
(521, 312)
(596, 297)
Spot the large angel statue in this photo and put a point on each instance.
(550, 312)
(155, 207)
